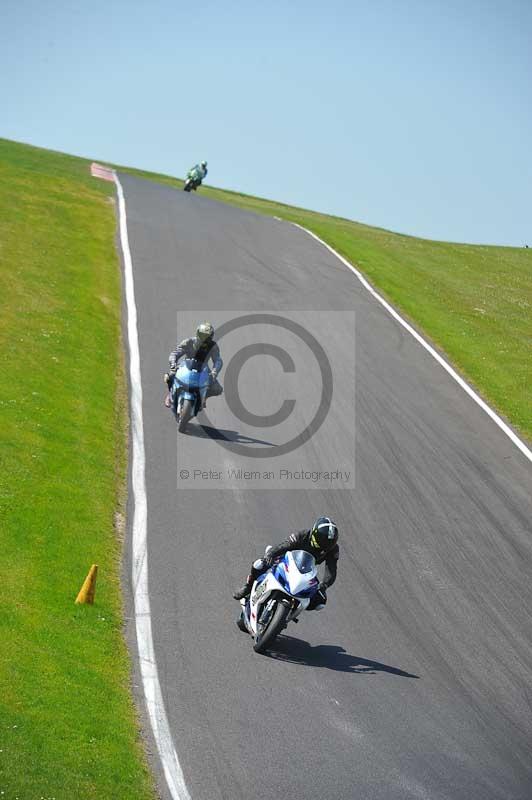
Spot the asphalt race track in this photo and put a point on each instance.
(416, 680)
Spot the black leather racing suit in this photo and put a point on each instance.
(301, 541)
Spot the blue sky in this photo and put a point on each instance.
(412, 115)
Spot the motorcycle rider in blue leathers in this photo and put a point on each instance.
(321, 541)
(201, 348)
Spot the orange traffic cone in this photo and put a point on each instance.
(86, 593)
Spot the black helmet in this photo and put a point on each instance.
(324, 534)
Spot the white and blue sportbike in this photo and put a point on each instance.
(278, 596)
(189, 390)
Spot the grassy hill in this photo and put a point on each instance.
(67, 722)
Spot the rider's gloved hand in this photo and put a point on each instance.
(268, 561)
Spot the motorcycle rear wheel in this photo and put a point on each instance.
(185, 415)
(276, 625)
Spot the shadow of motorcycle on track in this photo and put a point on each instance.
(219, 434)
(297, 651)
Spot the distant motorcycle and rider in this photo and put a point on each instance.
(195, 176)
(190, 380)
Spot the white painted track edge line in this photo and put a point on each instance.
(148, 666)
(441, 361)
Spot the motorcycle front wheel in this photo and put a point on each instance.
(275, 626)
(185, 415)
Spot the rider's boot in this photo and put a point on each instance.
(168, 398)
(245, 591)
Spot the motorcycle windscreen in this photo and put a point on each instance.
(192, 378)
(305, 562)
(302, 580)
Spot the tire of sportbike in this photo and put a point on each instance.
(186, 412)
(187, 187)
(277, 623)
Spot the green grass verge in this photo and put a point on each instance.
(68, 727)
(474, 302)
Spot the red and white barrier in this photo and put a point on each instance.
(105, 173)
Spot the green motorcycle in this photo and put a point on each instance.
(195, 177)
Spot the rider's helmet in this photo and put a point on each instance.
(205, 331)
(203, 164)
(323, 534)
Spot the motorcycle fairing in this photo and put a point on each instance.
(191, 383)
(285, 578)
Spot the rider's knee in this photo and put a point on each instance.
(317, 603)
